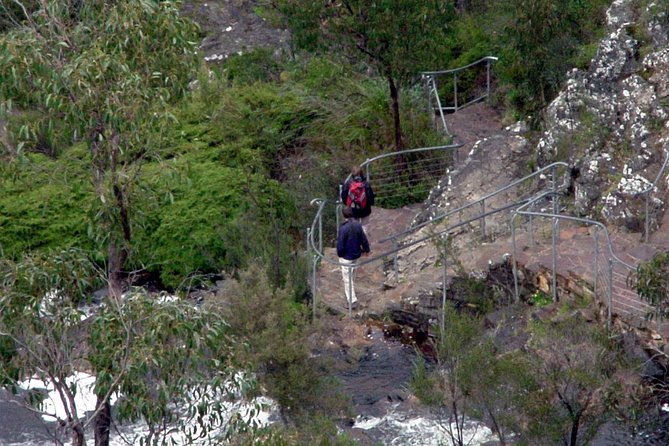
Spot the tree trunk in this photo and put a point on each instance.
(496, 427)
(78, 435)
(102, 422)
(115, 268)
(574, 428)
(118, 252)
(395, 106)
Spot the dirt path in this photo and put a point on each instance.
(376, 291)
(495, 157)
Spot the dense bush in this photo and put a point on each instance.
(44, 203)
(218, 219)
(260, 136)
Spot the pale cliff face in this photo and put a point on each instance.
(612, 121)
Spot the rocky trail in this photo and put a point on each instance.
(495, 157)
(376, 292)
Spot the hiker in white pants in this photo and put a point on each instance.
(348, 274)
(351, 244)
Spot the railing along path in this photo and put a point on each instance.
(433, 81)
(396, 174)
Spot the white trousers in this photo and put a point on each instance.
(348, 274)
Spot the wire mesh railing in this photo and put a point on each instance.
(407, 176)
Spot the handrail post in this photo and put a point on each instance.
(531, 231)
(513, 259)
(487, 94)
(483, 219)
(554, 259)
(647, 223)
(314, 298)
(594, 284)
(441, 110)
(455, 92)
(443, 288)
(338, 207)
(396, 265)
(367, 163)
(555, 199)
(610, 295)
(426, 90)
(320, 231)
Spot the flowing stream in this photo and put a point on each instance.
(377, 378)
(386, 412)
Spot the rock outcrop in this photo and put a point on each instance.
(611, 121)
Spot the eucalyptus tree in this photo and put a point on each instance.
(166, 360)
(39, 297)
(577, 366)
(103, 73)
(398, 38)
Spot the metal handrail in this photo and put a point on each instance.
(431, 85)
(521, 210)
(429, 78)
(404, 152)
(477, 202)
(646, 192)
(455, 70)
(612, 257)
(319, 252)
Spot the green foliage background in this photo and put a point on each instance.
(259, 136)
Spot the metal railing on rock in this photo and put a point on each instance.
(475, 213)
(433, 80)
(607, 272)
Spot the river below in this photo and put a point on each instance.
(376, 376)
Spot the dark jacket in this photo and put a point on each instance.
(364, 212)
(351, 240)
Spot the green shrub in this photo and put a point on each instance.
(219, 218)
(275, 329)
(258, 65)
(43, 205)
(651, 281)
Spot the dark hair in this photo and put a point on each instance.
(347, 212)
(356, 171)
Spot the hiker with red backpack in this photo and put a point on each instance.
(357, 194)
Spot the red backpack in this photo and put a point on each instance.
(357, 197)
